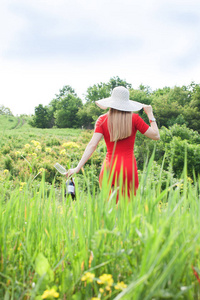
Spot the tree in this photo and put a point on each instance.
(161, 92)
(61, 111)
(5, 111)
(166, 112)
(55, 104)
(191, 110)
(103, 90)
(116, 81)
(40, 119)
(168, 105)
(179, 95)
(146, 89)
(88, 114)
(97, 92)
(67, 89)
(66, 111)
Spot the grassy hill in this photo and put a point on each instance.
(8, 122)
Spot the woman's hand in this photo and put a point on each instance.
(71, 172)
(153, 131)
(148, 109)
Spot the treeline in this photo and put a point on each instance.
(177, 105)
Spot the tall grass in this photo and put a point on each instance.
(150, 242)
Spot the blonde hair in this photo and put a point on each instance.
(119, 124)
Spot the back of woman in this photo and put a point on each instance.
(119, 133)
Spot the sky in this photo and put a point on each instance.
(45, 45)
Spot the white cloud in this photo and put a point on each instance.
(47, 44)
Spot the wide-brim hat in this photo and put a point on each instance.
(119, 100)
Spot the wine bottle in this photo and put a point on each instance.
(70, 188)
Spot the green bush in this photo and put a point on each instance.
(8, 163)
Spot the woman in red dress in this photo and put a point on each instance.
(119, 127)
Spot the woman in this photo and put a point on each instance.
(119, 127)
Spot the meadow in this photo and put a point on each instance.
(51, 247)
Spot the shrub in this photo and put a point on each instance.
(8, 163)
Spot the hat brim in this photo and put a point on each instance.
(128, 106)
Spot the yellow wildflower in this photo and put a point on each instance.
(27, 146)
(65, 145)
(17, 153)
(88, 277)
(146, 208)
(179, 184)
(106, 279)
(95, 298)
(5, 171)
(189, 180)
(50, 293)
(35, 143)
(34, 154)
(120, 286)
(48, 149)
(38, 148)
(101, 290)
(70, 145)
(41, 170)
(22, 185)
(63, 152)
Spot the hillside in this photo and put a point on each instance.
(10, 122)
(17, 135)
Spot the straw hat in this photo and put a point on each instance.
(119, 100)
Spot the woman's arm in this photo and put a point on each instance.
(91, 147)
(153, 131)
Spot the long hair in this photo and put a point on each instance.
(119, 124)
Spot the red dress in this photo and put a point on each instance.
(123, 156)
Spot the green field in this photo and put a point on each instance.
(54, 248)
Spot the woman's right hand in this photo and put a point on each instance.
(71, 172)
(148, 109)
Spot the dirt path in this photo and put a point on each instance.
(17, 124)
(20, 123)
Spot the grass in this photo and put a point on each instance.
(54, 248)
(150, 243)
